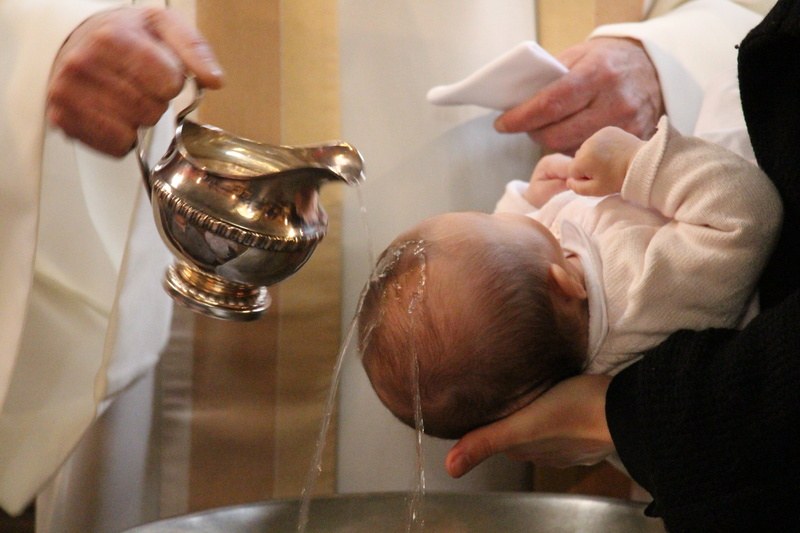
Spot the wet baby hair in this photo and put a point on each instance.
(476, 348)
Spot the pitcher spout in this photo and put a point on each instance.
(341, 159)
(231, 157)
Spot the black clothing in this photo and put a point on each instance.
(709, 422)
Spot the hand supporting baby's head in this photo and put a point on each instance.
(464, 310)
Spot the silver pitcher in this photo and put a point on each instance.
(238, 215)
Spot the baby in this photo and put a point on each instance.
(598, 258)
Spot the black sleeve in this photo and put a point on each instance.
(708, 423)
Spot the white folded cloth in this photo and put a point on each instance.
(504, 82)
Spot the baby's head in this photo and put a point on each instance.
(471, 298)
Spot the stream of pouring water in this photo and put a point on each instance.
(362, 211)
(416, 517)
(316, 463)
(415, 520)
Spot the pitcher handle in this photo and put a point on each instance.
(144, 135)
(198, 95)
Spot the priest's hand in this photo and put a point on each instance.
(611, 82)
(118, 71)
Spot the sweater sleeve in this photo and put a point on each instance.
(513, 200)
(722, 216)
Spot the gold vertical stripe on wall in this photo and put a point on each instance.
(610, 11)
(310, 304)
(234, 394)
(562, 23)
(246, 38)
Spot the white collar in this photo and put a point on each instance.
(575, 240)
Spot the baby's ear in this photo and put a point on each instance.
(565, 283)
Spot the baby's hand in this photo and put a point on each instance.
(602, 161)
(548, 179)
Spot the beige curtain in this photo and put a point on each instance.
(243, 402)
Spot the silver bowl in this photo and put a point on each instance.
(441, 513)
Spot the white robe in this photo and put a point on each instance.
(693, 48)
(82, 313)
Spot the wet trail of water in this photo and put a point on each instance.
(316, 464)
(415, 516)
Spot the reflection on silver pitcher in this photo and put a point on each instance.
(238, 215)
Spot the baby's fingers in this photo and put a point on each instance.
(552, 166)
(583, 185)
(587, 178)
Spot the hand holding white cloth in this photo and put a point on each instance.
(505, 82)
